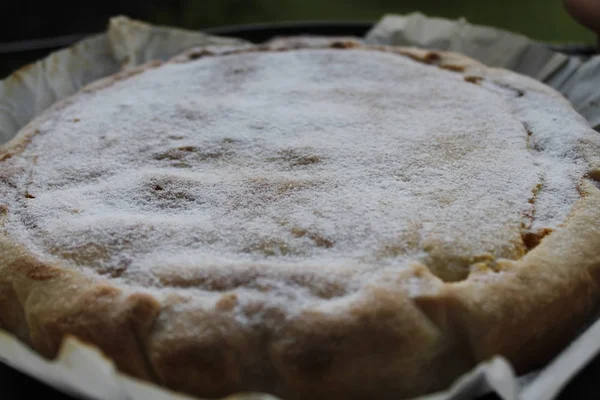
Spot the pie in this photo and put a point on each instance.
(335, 221)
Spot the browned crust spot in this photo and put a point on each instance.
(194, 55)
(296, 157)
(453, 67)
(432, 57)
(270, 248)
(346, 44)
(532, 239)
(34, 269)
(473, 79)
(594, 175)
(319, 240)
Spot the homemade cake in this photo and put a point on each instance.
(344, 221)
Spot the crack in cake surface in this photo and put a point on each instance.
(205, 172)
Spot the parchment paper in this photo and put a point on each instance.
(82, 371)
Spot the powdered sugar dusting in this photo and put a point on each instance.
(336, 163)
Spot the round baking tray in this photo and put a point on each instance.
(18, 386)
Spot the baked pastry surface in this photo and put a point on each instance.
(338, 222)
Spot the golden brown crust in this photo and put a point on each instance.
(390, 337)
(541, 300)
(387, 343)
(57, 303)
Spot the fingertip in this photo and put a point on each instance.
(586, 12)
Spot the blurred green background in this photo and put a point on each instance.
(544, 20)
(541, 19)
